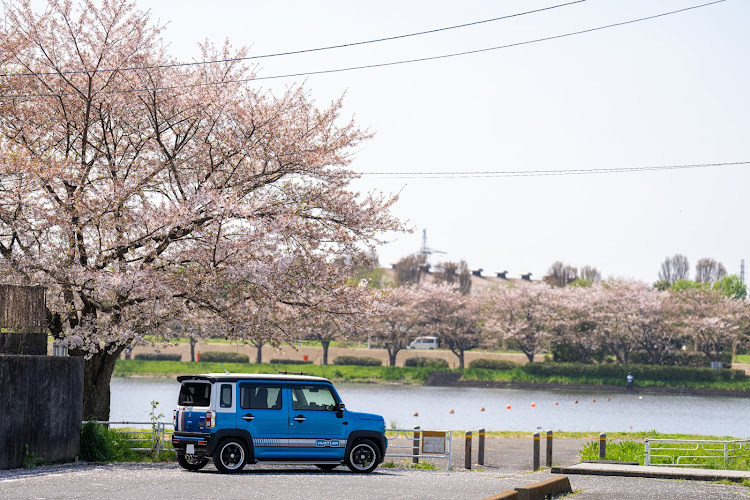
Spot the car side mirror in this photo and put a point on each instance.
(340, 410)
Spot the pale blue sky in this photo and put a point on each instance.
(668, 91)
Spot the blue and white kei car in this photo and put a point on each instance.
(237, 419)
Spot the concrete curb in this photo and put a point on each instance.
(554, 486)
(653, 472)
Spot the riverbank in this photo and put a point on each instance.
(502, 379)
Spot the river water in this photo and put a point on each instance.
(598, 412)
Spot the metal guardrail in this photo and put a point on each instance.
(151, 434)
(424, 444)
(710, 450)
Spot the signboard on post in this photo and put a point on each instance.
(433, 442)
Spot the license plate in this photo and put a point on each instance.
(190, 449)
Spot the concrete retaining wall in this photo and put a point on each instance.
(41, 404)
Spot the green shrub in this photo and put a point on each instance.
(568, 352)
(681, 358)
(493, 364)
(290, 362)
(224, 357)
(158, 356)
(356, 361)
(419, 362)
(640, 372)
(97, 444)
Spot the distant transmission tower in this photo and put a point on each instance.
(742, 271)
(426, 251)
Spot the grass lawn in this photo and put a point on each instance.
(519, 375)
(339, 373)
(393, 374)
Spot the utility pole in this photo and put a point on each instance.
(742, 271)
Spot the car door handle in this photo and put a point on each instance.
(299, 418)
(248, 417)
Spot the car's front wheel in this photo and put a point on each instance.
(363, 457)
(191, 462)
(230, 455)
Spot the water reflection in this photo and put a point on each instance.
(675, 414)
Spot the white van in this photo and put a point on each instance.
(424, 343)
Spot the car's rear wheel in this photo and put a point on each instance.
(326, 466)
(230, 455)
(191, 462)
(363, 457)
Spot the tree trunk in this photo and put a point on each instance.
(325, 344)
(392, 356)
(259, 356)
(97, 375)
(192, 349)
(460, 355)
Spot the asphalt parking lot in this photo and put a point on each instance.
(138, 481)
(507, 466)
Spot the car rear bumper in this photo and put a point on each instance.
(201, 443)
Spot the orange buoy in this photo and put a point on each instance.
(482, 408)
(593, 400)
(609, 399)
(576, 401)
(416, 413)
(451, 411)
(533, 405)
(555, 403)
(508, 407)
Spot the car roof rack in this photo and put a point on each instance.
(293, 373)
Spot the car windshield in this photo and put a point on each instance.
(195, 394)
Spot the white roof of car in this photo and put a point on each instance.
(234, 377)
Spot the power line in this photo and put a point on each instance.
(296, 52)
(488, 49)
(370, 66)
(542, 173)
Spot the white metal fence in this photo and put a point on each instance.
(419, 443)
(143, 436)
(694, 453)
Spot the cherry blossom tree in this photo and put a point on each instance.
(637, 317)
(574, 326)
(399, 326)
(449, 315)
(712, 320)
(523, 314)
(139, 191)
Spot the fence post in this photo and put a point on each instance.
(549, 448)
(415, 448)
(647, 447)
(602, 445)
(480, 448)
(536, 451)
(467, 451)
(450, 449)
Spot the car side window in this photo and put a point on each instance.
(313, 397)
(225, 400)
(260, 397)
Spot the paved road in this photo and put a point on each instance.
(135, 481)
(507, 465)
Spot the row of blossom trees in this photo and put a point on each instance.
(617, 319)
